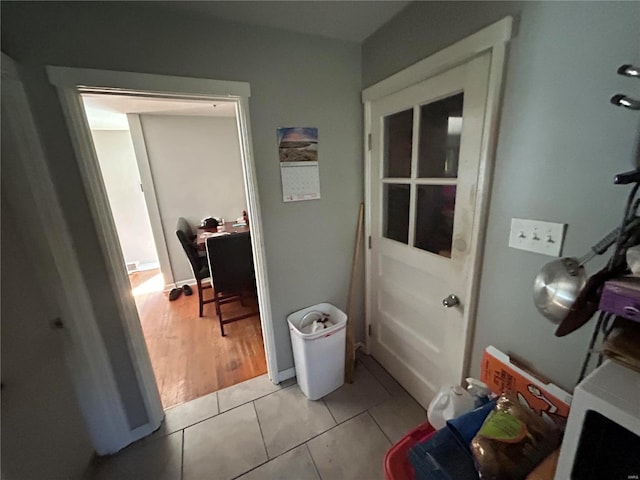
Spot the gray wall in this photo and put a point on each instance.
(560, 143)
(122, 182)
(197, 172)
(296, 80)
(42, 426)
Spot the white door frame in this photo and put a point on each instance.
(70, 83)
(492, 39)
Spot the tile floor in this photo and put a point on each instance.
(256, 430)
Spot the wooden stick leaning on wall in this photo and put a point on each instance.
(350, 353)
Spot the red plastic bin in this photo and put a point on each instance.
(396, 461)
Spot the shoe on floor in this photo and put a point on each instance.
(187, 290)
(174, 294)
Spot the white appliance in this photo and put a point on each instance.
(602, 438)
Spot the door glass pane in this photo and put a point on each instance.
(396, 212)
(398, 134)
(434, 218)
(440, 129)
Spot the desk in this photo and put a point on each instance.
(227, 227)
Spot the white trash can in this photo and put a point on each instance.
(318, 335)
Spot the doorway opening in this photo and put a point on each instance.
(166, 163)
(98, 387)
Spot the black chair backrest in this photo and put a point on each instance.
(186, 237)
(231, 262)
(184, 226)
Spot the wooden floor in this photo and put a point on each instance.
(189, 356)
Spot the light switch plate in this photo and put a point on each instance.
(537, 236)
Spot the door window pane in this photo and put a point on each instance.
(398, 134)
(440, 129)
(396, 212)
(434, 218)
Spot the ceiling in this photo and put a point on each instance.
(340, 19)
(109, 112)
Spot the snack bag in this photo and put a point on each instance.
(512, 441)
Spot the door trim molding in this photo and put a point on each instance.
(257, 237)
(73, 78)
(32, 193)
(109, 243)
(498, 33)
(492, 39)
(70, 83)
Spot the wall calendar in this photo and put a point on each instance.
(299, 170)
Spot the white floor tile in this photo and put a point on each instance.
(244, 392)
(261, 420)
(224, 446)
(352, 399)
(293, 465)
(353, 450)
(378, 371)
(288, 382)
(192, 412)
(160, 459)
(398, 415)
(288, 418)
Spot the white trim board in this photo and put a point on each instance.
(124, 82)
(286, 374)
(257, 237)
(110, 244)
(71, 82)
(488, 38)
(493, 39)
(143, 267)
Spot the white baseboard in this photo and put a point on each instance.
(148, 266)
(136, 266)
(286, 375)
(189, 281)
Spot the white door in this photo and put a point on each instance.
(425, 162)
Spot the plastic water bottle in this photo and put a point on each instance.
(450, 402)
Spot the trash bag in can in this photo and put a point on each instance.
(318, 335)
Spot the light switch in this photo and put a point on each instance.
(537, 236)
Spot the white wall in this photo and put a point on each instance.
(560, 144)
(197, 172)
(122, 182)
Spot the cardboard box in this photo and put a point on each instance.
(501, 373)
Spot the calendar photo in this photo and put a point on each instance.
(298, 144)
